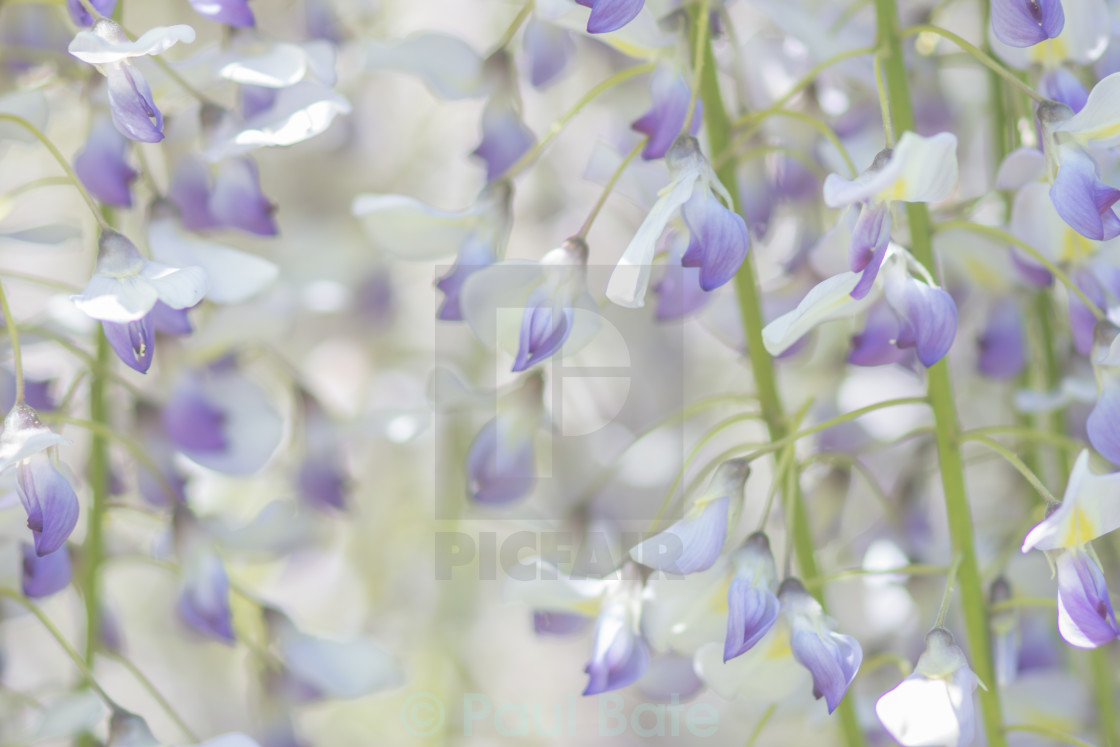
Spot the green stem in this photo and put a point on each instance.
(718, 127)
(1104, 682)
(158, 696)
(982, 58)
(13, 336)
(583, 230)
(973, 603)
(973, 600)
(99, 486)
(1052, 733)
(1014, 461)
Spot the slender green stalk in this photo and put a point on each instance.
(1104, 683)
(1051, 733)
(99, 487)
(13, 336)
(947, 597)
(718, 127)
(982, 58)
(1014, 461)
(158, 696)
(582, 233)
(726, 153)
(701, 21)
(518, 21)
(61, 159)
(973, 600)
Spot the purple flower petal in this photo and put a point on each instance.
(102, 167)
(322, 484)
(869, 238)
(190, 191)
(1030, 271)
(875, 346)
(1085, 615)
(44, 575)
(1082, 199)
(679, 293)
(237, 200)
(832, 659)
(204, 601)
(718, 240)
(751, 611)
(1003, 352)
(81, 17)
(1024, 23)
(611, 15)
(624, 659)
(689, 545)
(133, 342)
(1103, 424)
(170, 321)
(500, 472)
(927, 317)
(192, 422)
(474, 254)
(545, 325)
(1061, 85)
(132, 105)
(229, 12)
(558, 623)
(505, 138)
(549, 49)
(50, 502)
(669, 96)
(256, 99)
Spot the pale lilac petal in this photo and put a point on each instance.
(751, 611)
(44, 575)
(549, 49)
(875, 346)
(670, 678)
(669, 97)
(1061, 85)
(50, 502)
(611, 15)
(544, 328)
(170, 321)
(718, 240)
(191, 422)
(255, 99)
(130, 102)
(1103, 424)
(679, 293)
(870, 236)
(322, 484)
(1082, 199)
(831, 659)
(106, 43)
(558, 623)
(229, 12)
(1082, 322)
(237, 200)
(474, 254)
(505, 138)
(102, 167)
(498, 472)
(133, 342)
(1003, 352)
(621, 658)
(927, 316)
(689, 545)
(1024, 23)
(204, 600)
(1085, 615)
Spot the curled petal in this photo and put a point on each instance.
(1082, 199)
(299, 113)
(669, 94)
(50, 502)
(919, 169)
(237, 200)
(1085, 615)
(1023, 23)
(549, 49)
(544, 328)
(611, 15)
(44, 575)
(474, 255)
(718, 241)
(501, 466)
(1088, 510)
(689, 545)
(870, 238)
(619, 655)
(106, 42)
(751, 611)
(505, 138)
(131, 104)
(133, 342)
(1098, 122)
(829, 300)
(927, 315)
(832, 659)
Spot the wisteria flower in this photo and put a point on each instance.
(1049, 33)
(1024, 23)
(669, 99)
(718, 240)
(611, 15)
(102, 167)
(501, 462)
(44, 575)
(832, 658)
(694, 542)
(918, 169)
(934, 705)
(229, 12)
(109, 49)
(82, 17)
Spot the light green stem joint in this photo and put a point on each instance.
(973, 603)
(718, 127)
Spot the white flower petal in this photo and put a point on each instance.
(95, 49)
(493, 301)
(1098, 122)
(829, 300)
(450, 67)
(630, 280)
(929, 167)
(179, 289)
(300, 112)
(1021, 167)
(1088, 509)
(923, 712)
(232, 276)
(279, 66)
(117, 299)
(542, 586)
